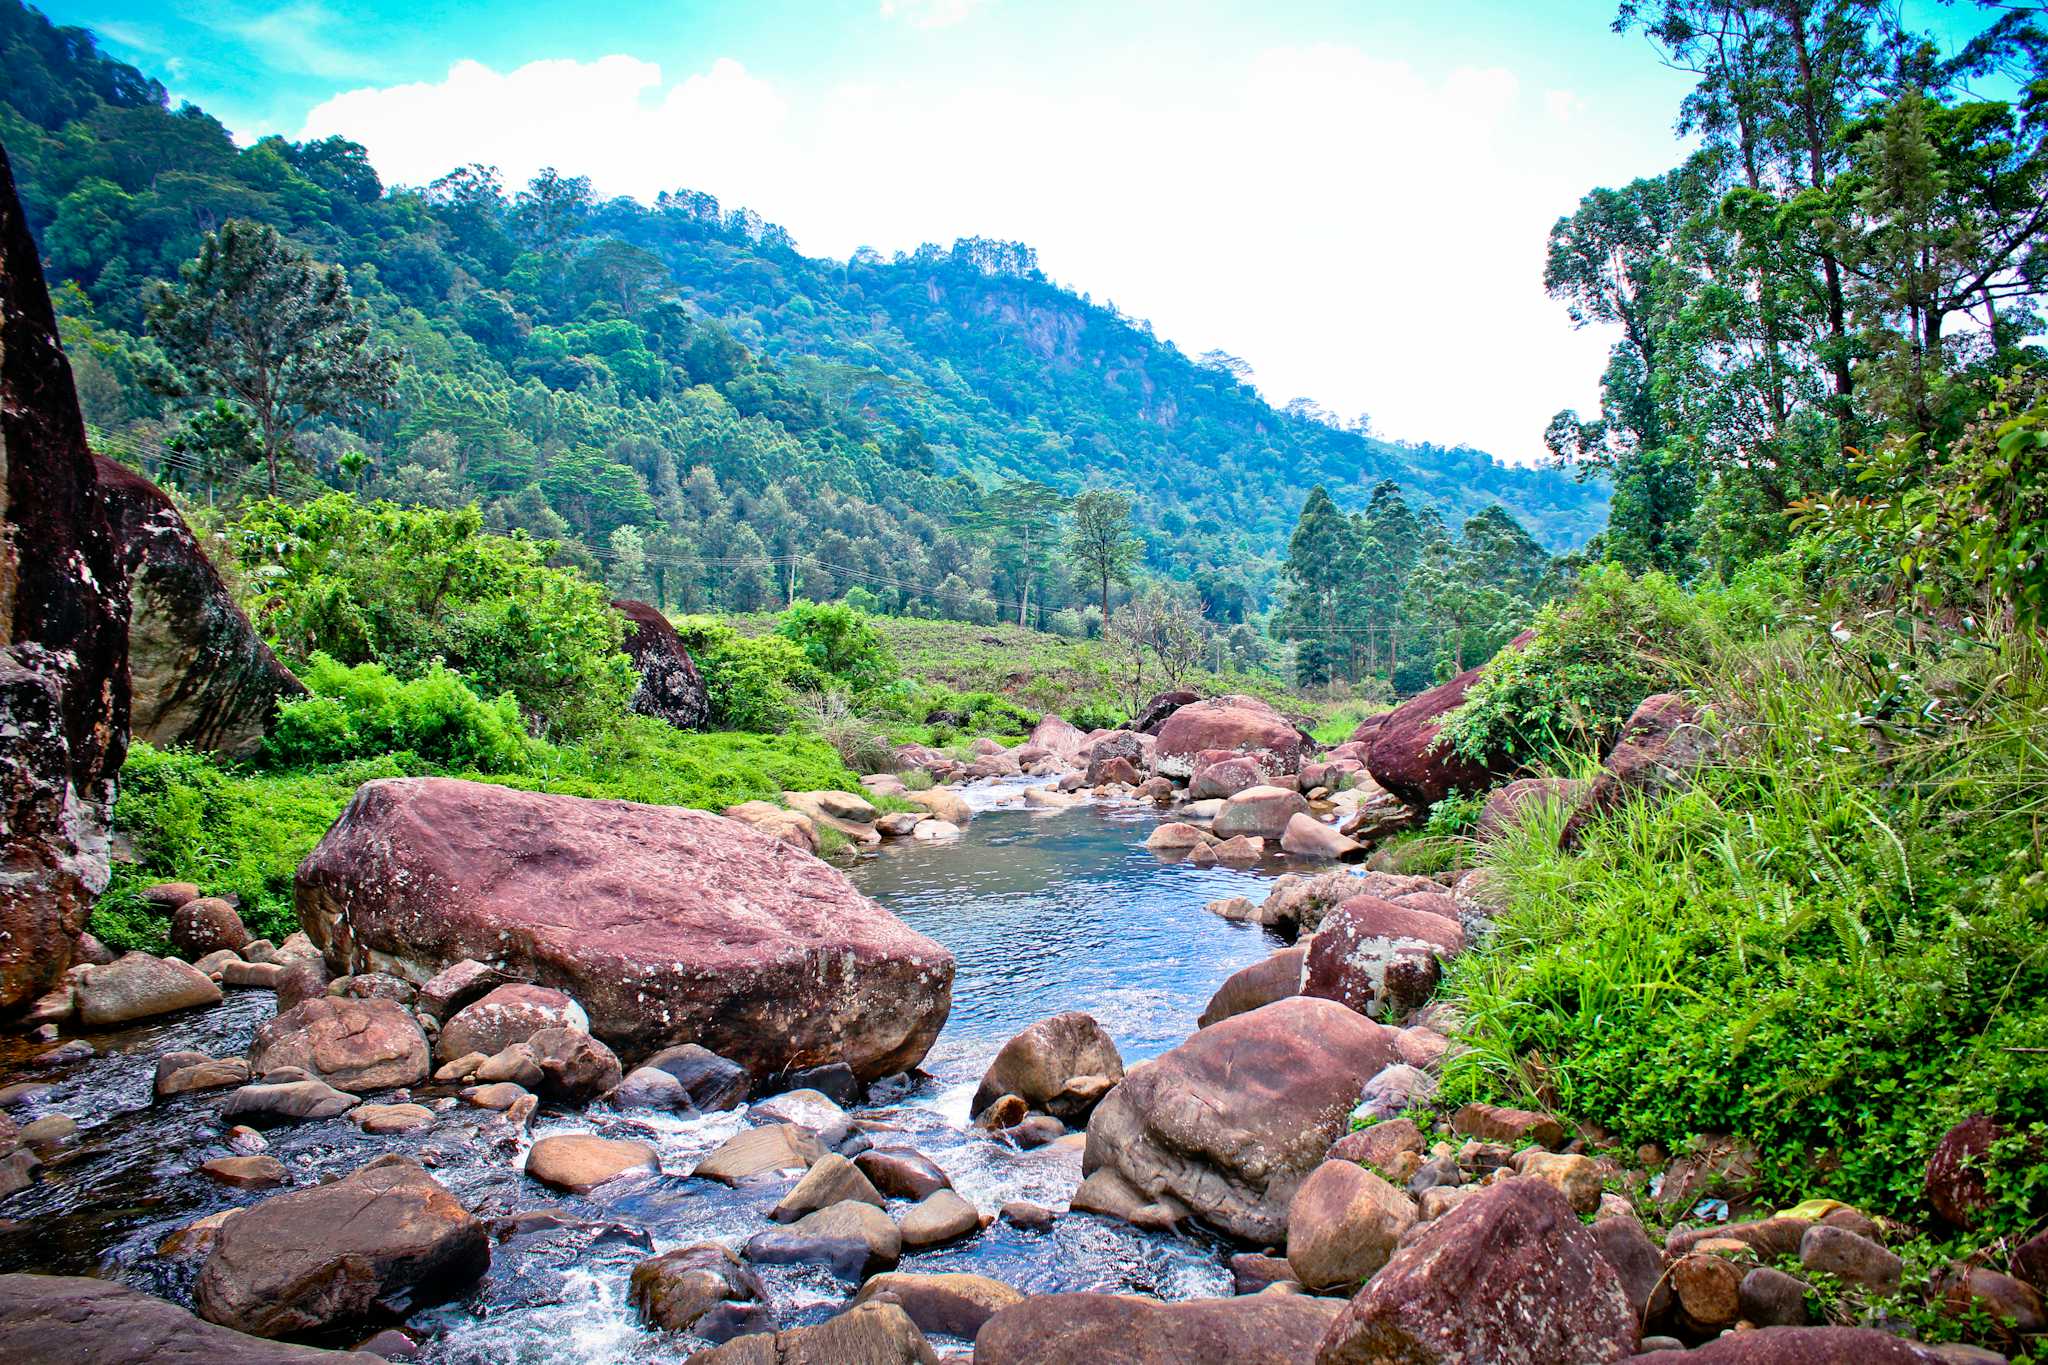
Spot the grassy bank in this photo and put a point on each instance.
(1835, 944)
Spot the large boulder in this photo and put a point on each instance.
(668, 925)
(1057, 735)
(341, 1253)
(1406, 759)
(1058, 1065)
(1271, 978)
(1160, 709)
(1097, 1329)
(1660, 746)
(1231, 1122)
(63, 638)
(1239, 723)
(670, 687)
(1379, 958)
(77, 1318)
(1259, 813)
(353, 1045)
(1509, 1276)
(138, 986)
(201, 675)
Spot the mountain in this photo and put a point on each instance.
(680, 396)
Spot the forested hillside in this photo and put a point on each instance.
(673, 391)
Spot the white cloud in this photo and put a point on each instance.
(292, 39)
(930, 13)
(1360, 231)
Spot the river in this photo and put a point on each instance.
(1045, 911)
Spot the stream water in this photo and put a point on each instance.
(1044, 910)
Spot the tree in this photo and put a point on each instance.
(1100, 540)
(1321, 572)
(215, 443)
(1020, 516)
(255, 319)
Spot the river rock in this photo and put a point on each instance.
(667, 924)
(871, 1334)
(390, 1118)
(941, 1216)
(496, 1095)
(138, 986)
(1378, 1144)
(1343, 1224)
(1850, 1257)
(341, 1252)
(245, 1172)
(1222, 775)
(1491, 1123)
(1572, 1174)
(676, 1290)
(1176, 837)
(647, 1087)
(179, 1073)
(516, 1064)
(1376, 958)
(670, 687)
(1258, 813)
(812, 1109)
(300, 980)
(712, 1082)
(1057, 1065)
(77, 1318)
(1271, 978)
(757, 1151)
(902, 1172)
(456, 985)
(791, 827)
(855, 1221)
(1307, 837)
(1406, 759)
(1510, 1276)
(206, 924)
(955, 1305)
(1799, 1346)
(1112, 771)
(1094, 1329)
(355, 1045)
(1230, 722)
(504, 1016)
(1660, 746)
(1967, 1291)
(575, 1067)
(1234, 1119)
(286, 1102)
(252, 975)
(944, 805)
(1509, 805)
(64, 680)
(1639, 1265)
(580, 1162)
(1766, 1297)
(1954, 1180)
(831, 1179)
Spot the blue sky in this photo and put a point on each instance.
(1352, 197)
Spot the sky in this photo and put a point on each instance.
(1350, 195)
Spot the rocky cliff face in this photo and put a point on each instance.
(200, 674)
(63, 637)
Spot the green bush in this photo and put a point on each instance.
(363, 711)
(839, 641)
(752, 681)
(407, 587)
(1829, 945)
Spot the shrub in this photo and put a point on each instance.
(751, 682)
(859, 743)
(839, 641)
(363, 711)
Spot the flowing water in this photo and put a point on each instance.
(1045, 911)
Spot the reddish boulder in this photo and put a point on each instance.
(670, 687)
(1509, 1276)
(668, 925)
(1660, 746)
(341, 1253)
(1057, 736)
(201, 675)
(1366, 731)
(352, 1045)
(1224, 775)
(67, 1317)
(1231, 1122)
(207, 924)
(1271, 978)
(1799, 1346)
(1258, 813)
(1406, 759)
(1955, 1181)
(1234, 722)
(1506, 807)
(63, 638)
(1379, 958)
(1097, 1329)
(1059, 1066)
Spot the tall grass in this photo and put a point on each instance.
(1835, 943)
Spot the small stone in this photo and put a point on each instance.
(901, 1172)
(829, 1181)
(461, 1069)
(1022, 1213)
(1254, 1272)
(287, 1101)
(501, 1095)
(861, 1223)
(253, 975)
(953, 1304)
(1771, 1298)
(2013, 1305)
(1575, 1176)
(49, 1130)
(939, 1217)
(1708, 1289)
(580, 1162)
(647, 1087)
(246, 1140)
(391, 1118)
(516, 1064)
(245, 1172)
(179, 1073)
(757, 1151)
(1847, 1256)
(804, 1108)
(1496, 1124)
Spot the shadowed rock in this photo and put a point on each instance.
(670, 687)
(69, 1317)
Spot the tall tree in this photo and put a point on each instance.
(1101, 543)
(255, 319)
(1021, 517)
